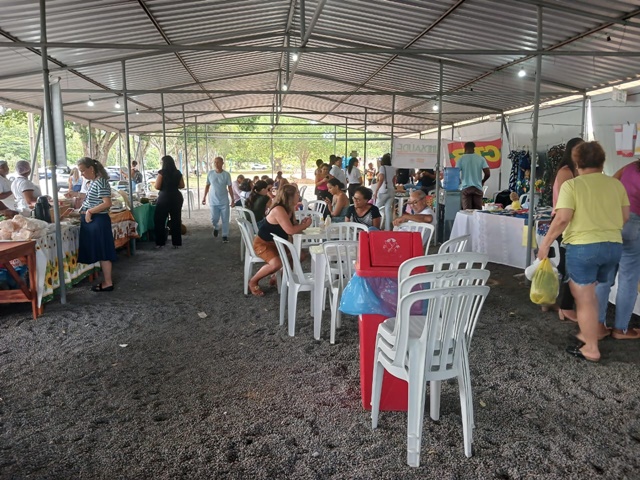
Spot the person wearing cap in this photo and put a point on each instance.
(24, 190)
(6, 198)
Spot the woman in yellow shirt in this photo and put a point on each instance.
(590, 213)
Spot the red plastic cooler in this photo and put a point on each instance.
(380, 254)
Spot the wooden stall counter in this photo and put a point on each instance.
(24, 293)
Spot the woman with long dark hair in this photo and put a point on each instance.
(354, 176)
(169, 182)
(566, 171)
(96, 237)
(259, 200)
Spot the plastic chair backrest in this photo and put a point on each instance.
(317, 206)
(524, 198)
(242, 212)
(291, 262)
(425, 229)
(446, 261)
(442, 338)
(484, 190)
(455, 245)
(316, 217)
(303, 189)
(247, 234)
(345, 231)
(341, 257)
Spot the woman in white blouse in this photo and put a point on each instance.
(354, 177)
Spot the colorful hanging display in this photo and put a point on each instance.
(554, 157)
(520, 171)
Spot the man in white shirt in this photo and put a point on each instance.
(219, 181)
(420, 211)
(337, 172)
(6, 196)
(235, 186)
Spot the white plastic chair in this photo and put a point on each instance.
(316, 217)
(524, 198)
(425, 229)
(484, 191)
(341, 257)
(294, 280)
(345, 231)
(431, 347)
(302, 191)
(455, 245)
(250, 257)
(317, 206)
(245, 213)
(447, 261)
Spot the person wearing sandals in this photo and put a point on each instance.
(280, 221)
(96, 238)
(169, 182)
(590, 213)
(629, 268)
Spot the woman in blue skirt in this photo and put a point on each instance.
(96, 238)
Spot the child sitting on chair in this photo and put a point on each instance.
(515, 202)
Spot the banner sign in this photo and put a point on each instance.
(489, 150)
(415, 153)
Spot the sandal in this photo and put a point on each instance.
(575, 351)
(630, 334)
(601, 336)
(256, 291)
(99, 288)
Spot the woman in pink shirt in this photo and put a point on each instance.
(566, 171)
(629, 267)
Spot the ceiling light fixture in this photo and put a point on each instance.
(285, 87)
(294, 57)
(435, 107)
(137, 112)
(279, 108)
(117, 104)
(522, 73)
(90, 102)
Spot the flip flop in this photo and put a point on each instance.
(98, 288)
(631, 334)
(256, 291)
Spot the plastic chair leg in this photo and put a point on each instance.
(434, 407)
(283, 300)
(467, 430)
(334, 318)
(376, 391)
(292, 304)
(242, 249)
(247, 274)
(415, 415)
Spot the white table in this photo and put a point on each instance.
(498, 236)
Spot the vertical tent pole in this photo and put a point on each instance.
(335, 139)
(197, 165)
(132, 241)
(52, 148)
(44, 158)
(90, 143)
(583, 133)
(120, 149)
(272, 158)
(534, 141)
(439, 149)
(206, 145)
(393, 120)
(164, 127)
(186, 160)
(346, 137)
(501, 150)
(364, 158)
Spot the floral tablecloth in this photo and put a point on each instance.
(47, 262)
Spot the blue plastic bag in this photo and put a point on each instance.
(358, 298)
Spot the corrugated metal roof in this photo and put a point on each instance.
(213, 83)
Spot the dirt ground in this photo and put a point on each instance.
(134, 384)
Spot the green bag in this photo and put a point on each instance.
(544, 285)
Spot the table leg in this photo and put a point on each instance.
(318, 274)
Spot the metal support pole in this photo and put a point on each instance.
(52, 148)
(364, 158)
(501, 150)
(206, 144)
(120, 149)
(393, 119)
(186, 161)
(335, 139)
(198, 169)
(132, 241)
(34, 156)
(346, 137)
(164, 127)
(534, 140)
(90, 143)
(287, 64)
(272, 159)
(583, 133)
(303, 21)
(439, 151)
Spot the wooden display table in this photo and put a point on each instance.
(25, 293)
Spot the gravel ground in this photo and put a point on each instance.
(134, 384)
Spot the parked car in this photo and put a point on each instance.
(258, 166)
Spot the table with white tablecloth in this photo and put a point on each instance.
(498, 236)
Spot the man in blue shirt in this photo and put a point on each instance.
(474, 171)
(219, 181)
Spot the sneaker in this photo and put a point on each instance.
(225, 240)
(215, 232)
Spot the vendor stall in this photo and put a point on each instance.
(123, 226)
(144, 217)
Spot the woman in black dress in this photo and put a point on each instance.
(169, 182)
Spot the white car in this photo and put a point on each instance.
(258, 166)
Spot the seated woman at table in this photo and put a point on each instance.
(168, 183)
(362, 211)
(96, 237)
(259, 200)
(420, 211)
(590, 213)
(281, 222)
(338, 205)
(24, 191)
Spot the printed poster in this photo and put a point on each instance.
(490, 150)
